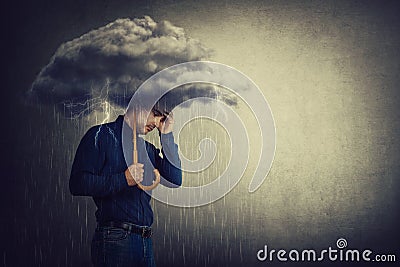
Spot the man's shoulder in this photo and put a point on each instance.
(112, 125)
(102, 131)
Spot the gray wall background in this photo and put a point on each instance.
(330, 72)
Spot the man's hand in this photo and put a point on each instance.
(165, 125)
(134, 174)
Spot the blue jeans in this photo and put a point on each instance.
(116, 247)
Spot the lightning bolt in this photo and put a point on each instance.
(113, 135)
(97, 100)
(97, 136)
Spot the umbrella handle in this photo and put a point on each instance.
(155, 182)
(135, 160)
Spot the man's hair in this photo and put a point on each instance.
(157, 110)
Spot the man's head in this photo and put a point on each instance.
(146, 120)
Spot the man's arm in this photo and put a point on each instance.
(169, 165)
(86, 178)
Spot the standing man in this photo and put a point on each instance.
(100, 170)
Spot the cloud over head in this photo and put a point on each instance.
(110, 63)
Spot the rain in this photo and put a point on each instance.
(179, 238)
(329, 73)
(63, 231)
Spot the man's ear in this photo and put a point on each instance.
(158, 121)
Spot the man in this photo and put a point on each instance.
(124, 214)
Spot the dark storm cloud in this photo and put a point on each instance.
(112, 61)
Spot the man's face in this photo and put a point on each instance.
(146, 125)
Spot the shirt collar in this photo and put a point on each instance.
(120, 120)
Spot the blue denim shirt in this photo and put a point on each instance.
(99, 168)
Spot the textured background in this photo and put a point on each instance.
(330, 73)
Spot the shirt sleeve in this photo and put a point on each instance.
(169, 165)
(86, 177)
